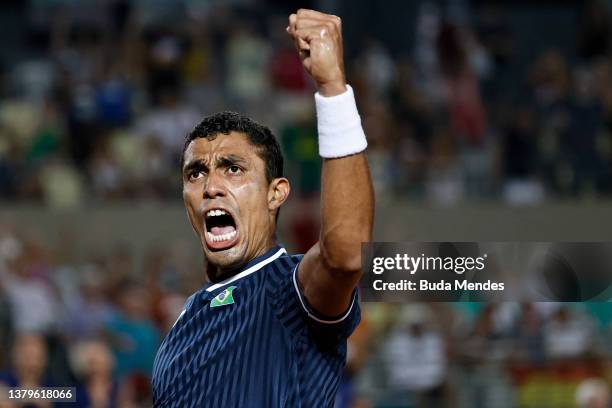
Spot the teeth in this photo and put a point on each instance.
(222, 237)
(214, 213)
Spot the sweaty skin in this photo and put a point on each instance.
(225, 172)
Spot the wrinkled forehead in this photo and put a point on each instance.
(209, 149)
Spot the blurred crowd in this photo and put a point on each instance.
(92, 320)
(95, 104)
(480, 355)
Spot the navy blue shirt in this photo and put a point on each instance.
(253, 341)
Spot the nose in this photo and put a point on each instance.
(214, 186)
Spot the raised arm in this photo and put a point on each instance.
(331, 269)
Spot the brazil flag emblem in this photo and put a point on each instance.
(224, 298)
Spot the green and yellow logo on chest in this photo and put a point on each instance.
(224, 298)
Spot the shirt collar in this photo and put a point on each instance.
(252, 266)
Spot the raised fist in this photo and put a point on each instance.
(318, 39)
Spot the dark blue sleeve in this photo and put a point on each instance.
(295, 312)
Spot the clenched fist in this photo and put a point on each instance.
(318, 39)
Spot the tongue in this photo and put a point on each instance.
(222, 230)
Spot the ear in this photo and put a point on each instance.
(278, 191)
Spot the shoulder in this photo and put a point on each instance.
(288, 258)
(190, 300)
(285, 265)
(279, 275)
(283, 284)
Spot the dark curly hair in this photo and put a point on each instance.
(260, 136)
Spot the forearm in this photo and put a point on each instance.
(347, 211)
(347, 202)
(330, 270)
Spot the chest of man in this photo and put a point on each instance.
(226, 344)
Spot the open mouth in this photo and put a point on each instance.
(221, 231)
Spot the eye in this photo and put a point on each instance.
(233, 169)
(194, 175)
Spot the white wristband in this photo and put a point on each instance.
(339, 125)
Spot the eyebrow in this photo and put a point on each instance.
(222, 161)
(194, 165)
(230, 159)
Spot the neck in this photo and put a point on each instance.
(217, 273)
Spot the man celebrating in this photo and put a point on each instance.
(270, 329)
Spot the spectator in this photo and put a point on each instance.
(445, 182)
(28, 364)
(32, 300)
(568, 335)
(485, 351)
(247, 60)
(415, 356)
(529, 336)
(167, 124)
(93, 362)
(132, 334)
(90, 310)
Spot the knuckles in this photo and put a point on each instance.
(337, 21)
(330, 20)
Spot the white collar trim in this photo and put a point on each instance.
(248, 271)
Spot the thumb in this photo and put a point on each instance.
(300, 43)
